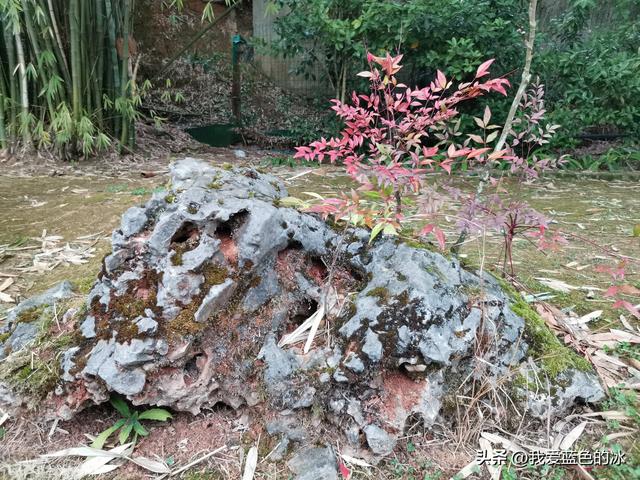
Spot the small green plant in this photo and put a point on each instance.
(624, 400)
(625, 349)
(287, 161)
(129, 423)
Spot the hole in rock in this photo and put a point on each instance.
(302, 311)
(225, 231)
(222, 407)
(293, 245)
(317, 270)
(413, 424)
(186, 238)
(188, 235)
(192, 367)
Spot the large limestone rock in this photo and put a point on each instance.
(204, 281)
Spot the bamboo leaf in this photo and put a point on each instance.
(158, 414)
(102, 438)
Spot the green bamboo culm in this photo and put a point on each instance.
(65, 79)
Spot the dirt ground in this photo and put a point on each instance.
(55, 223)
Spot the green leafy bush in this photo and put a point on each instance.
(586, 52)
(593, 85)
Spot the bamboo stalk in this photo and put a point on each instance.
(3, 97)
(124, 70)
(60, 48)
(74, 15)
(98, 77)
(13, 85)
(24, 90)
(114, 76)
(37, 52)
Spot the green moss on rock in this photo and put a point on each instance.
(30, 315)
(214, 274)
(381, 293)
(553, 357)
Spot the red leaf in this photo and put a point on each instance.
(630, 308)
(440, 236)
(344, 471)
(484, 68)
(446, 165)
(442, 80)
(612, 291)
(427, 229)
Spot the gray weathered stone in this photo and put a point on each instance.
(218, 295)
(205, 280)
(317, 463)
(354, 363)
(23, 335)
(147, 325)
(88, 327)
(379, 441)
(372, 346)
(133, 220)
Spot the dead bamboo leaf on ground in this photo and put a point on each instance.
(571, 437)
(99, 461)
(494, 471)
(6, 284)
(4, 298)
(251, 464)
(197, 461)
(557, 285)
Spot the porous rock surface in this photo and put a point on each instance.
(203, 282)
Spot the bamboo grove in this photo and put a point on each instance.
(67, 78)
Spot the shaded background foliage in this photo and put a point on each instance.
(84, 90)
(587, 51)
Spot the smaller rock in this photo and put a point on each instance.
(339, 376)
(316, 463)
(136, 352)
(49, 297)
(380, 442)
(354, 363)
(67, 363)
(9, 400)
(147, 325)
(372, 346)
(23, 334)
(355, 410)
(280, 451)
(287, 427)
(88, 327)
(280, 364)
(133, 221)
(217, 296)
(336, 405)
(306, 398)
(240, 153)
(571, 387)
